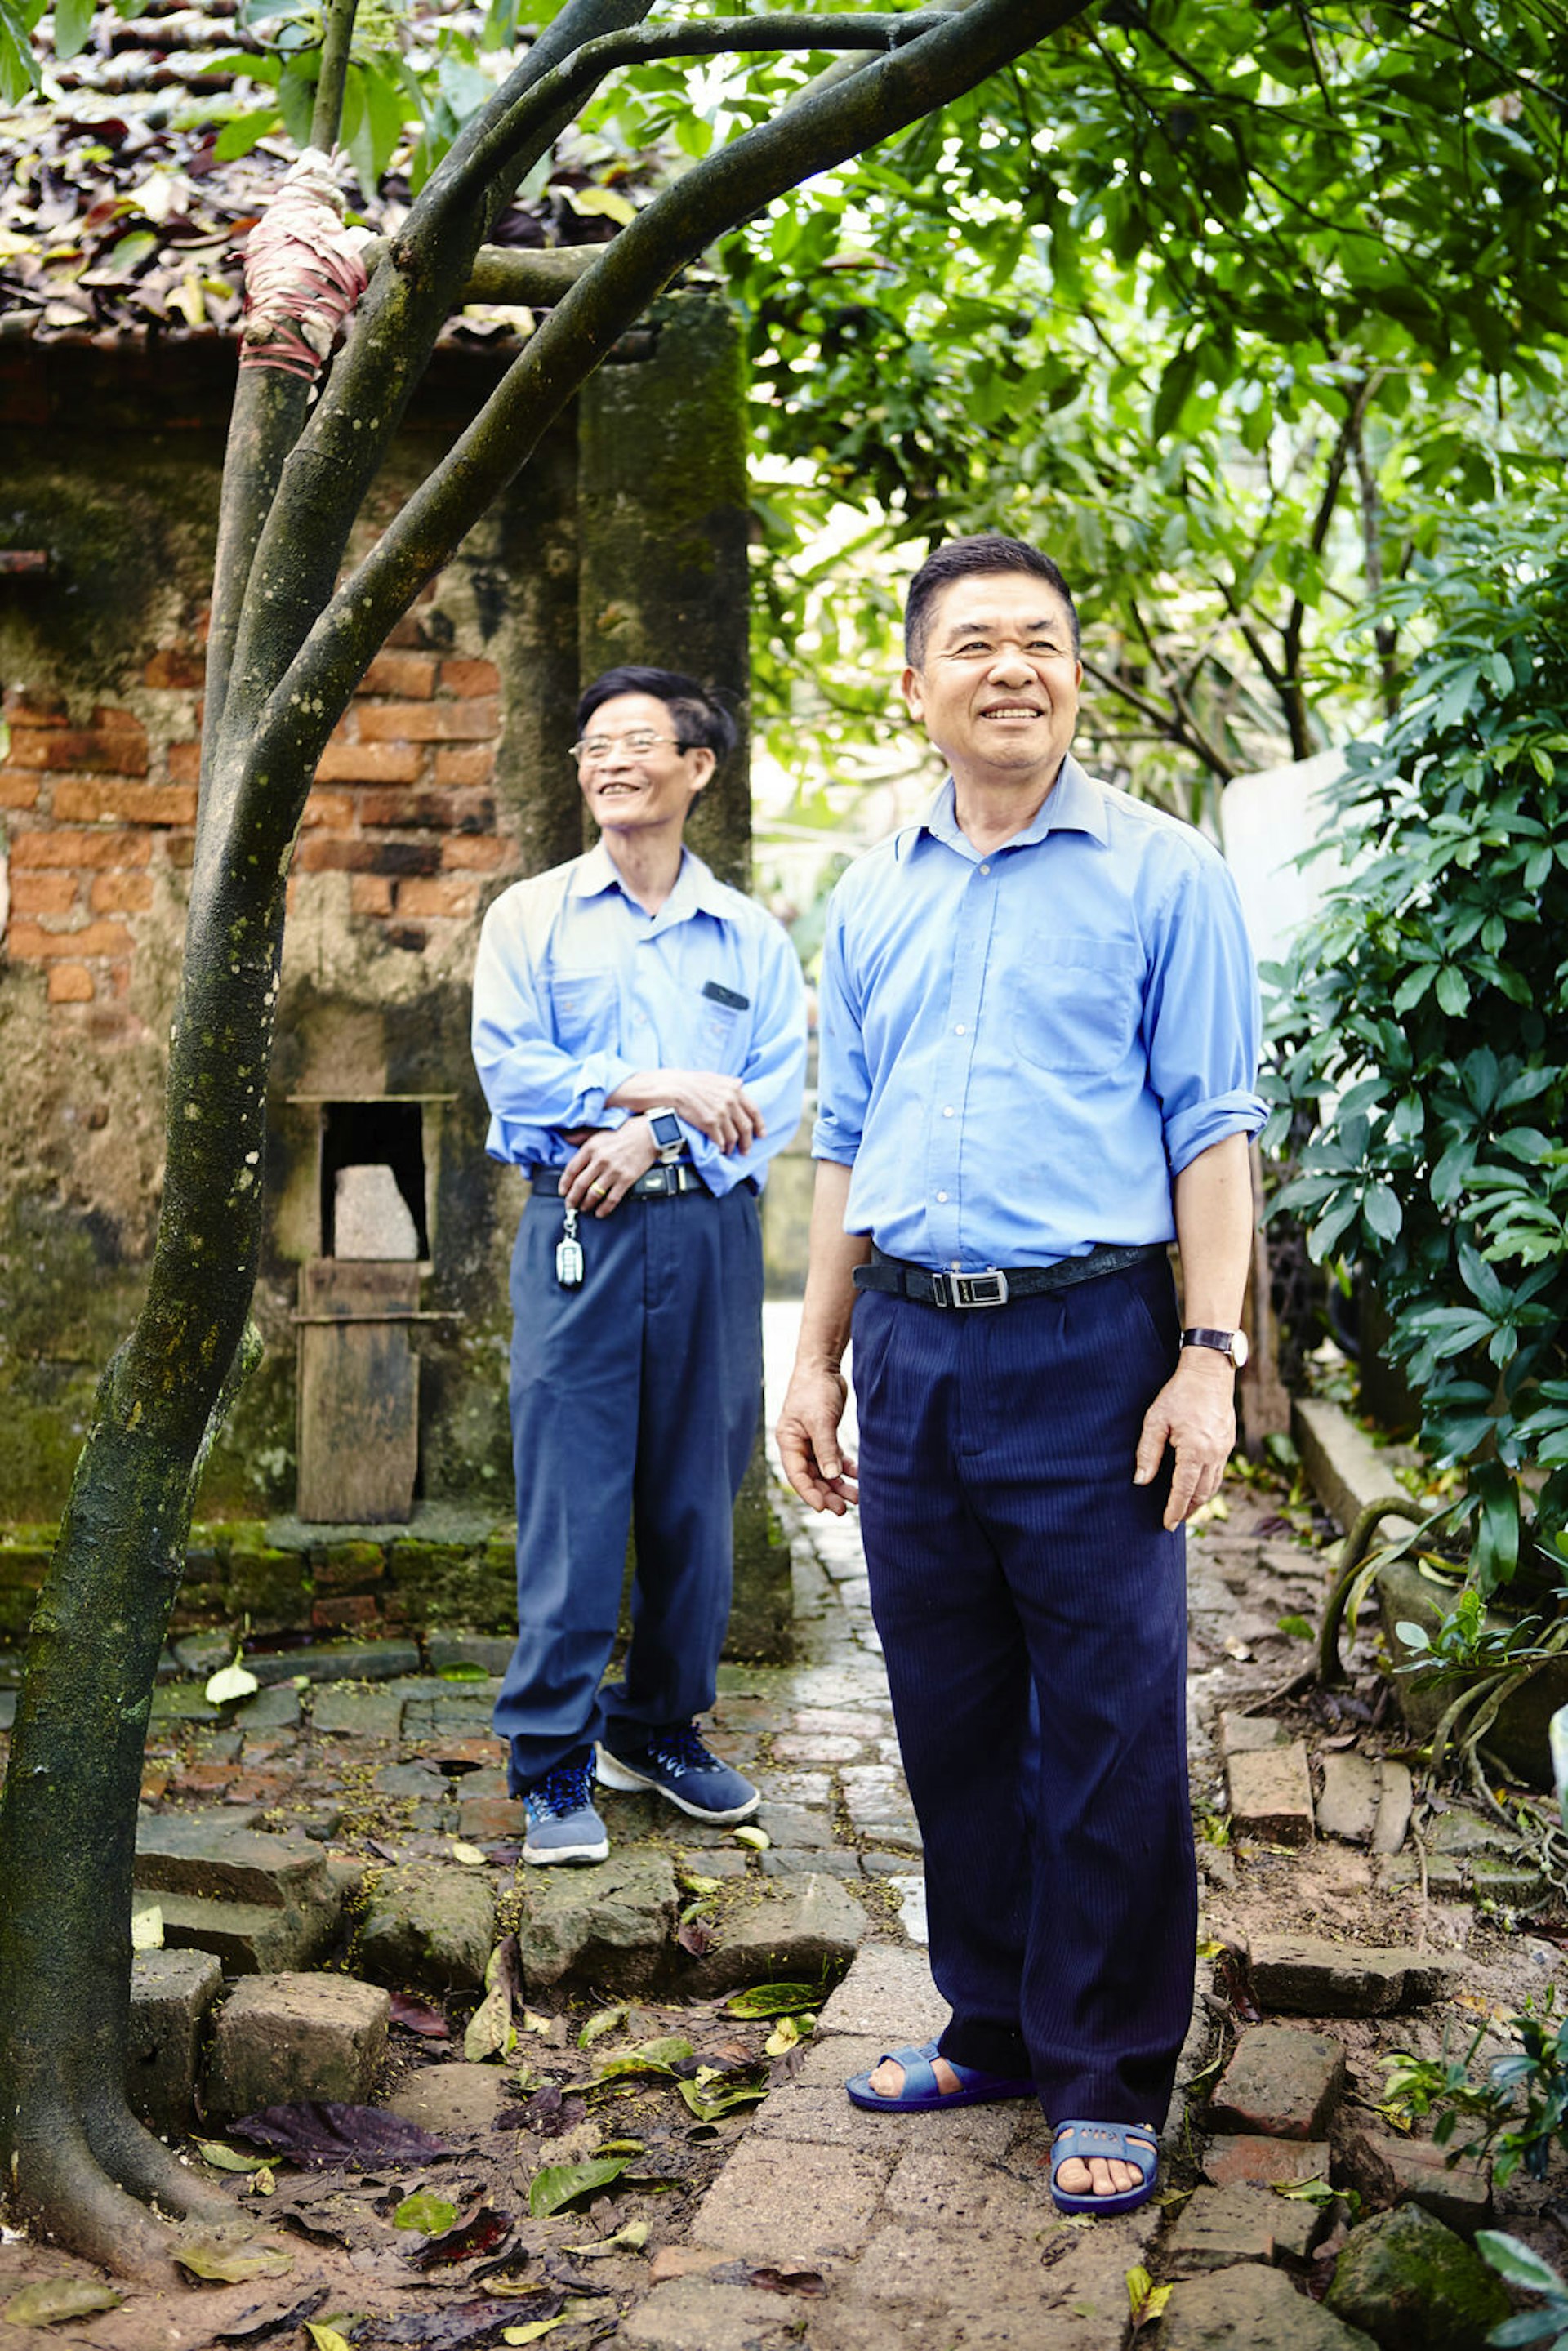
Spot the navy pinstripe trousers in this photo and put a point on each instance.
(1007, 1544)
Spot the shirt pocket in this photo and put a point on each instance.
(1074, 1006)
(583, 1011)
(721, 1033)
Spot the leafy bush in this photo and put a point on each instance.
(1421, 1034)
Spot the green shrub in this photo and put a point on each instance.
(1422, 1034)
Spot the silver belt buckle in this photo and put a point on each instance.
(988, 1288)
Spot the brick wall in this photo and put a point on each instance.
(100, 816)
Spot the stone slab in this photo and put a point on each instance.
(277, 1709)
(612, 1926)
(1251, 1734)
(804, 1931)
(1352, 1790)
(431, 1927)
(1389, 2170)
(357, 1713)
(1217, 2226)
(249, 1938)
(1243, 2308)
(196, 1853)
(172, 1992)
(1271, 1795)
(1414, 2284)
(1304, 1975)
(337, 1661)
(284, 2037)
(1345, 1468)
(1397, 1801)
(454, 2097)
(1235, 2161)
(698, 2314)
(888, 1996)
(1280, 2082)
(818, 2206)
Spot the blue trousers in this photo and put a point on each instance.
(1008, 1545)
(634, 1404)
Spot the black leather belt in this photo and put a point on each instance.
(664, 1182)
(992, 1286)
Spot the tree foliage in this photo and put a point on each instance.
(1420, 1031)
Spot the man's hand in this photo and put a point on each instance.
(606, 1165)
(1195, 1413)
(815, 1463)
(720, 1106)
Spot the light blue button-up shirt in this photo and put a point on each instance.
(576, 988)
(1021, 1049)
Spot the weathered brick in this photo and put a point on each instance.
(370, 893)
(84, 751)
(286, 2037)
(368, 763)
(171, 667)
(1271, 1795)
(441, 897)
(441, 811)
(470, 677)
(121, 894)
(331, 853)
(23, 710)
(184, 763)
(59, 845)
(87, 803)
(429, 722)
(410, 675)
(29, 941)
(333, 810)
(70, 983)
(115, 721)
(16, 792)
(182, 847)
(483, 853)
(473, 764)
(44, 893)
(1280, 2083)
(354, 1609)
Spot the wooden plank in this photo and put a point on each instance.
(359, 1395)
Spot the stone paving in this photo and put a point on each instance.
(360, 1791)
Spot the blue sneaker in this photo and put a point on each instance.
(562, 1822)
(678, 1764)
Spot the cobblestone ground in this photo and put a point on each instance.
(845, 2231)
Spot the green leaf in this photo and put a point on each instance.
(533, 2330)
(325, 2336)
(773, 2000)
(1383, 1212)
(19, 66)
(73, 23)
(710, 2100)
(606, 2020)
(52, 2299)
(1515, 2263)
(230, 2158)
(213, 2256)
(425, 2211)
(560, 2183)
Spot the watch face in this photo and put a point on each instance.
(1240, 1349)
(666, 1129)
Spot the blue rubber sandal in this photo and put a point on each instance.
(921, 2094)
(1131, 2143)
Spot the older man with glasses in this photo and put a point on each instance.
(640, 1033)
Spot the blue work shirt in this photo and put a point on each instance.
(576, 988)
(1020, 1050)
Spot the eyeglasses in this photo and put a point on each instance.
(594, 749)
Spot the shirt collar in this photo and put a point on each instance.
(1075, 803)
(695, 891)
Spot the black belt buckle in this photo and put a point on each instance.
(659, 1184)
(965, 1290)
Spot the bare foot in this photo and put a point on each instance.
(1100, 2176)
(887, 2079)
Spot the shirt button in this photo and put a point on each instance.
(984, 869)
(957, 1029)
(947, 1110)
(942, 1195)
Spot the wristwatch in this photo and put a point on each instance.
(665, 1128)
(1224, 1343)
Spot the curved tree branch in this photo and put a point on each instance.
(327, 114)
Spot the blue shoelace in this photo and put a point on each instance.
(677, 1751)
(568, 1789)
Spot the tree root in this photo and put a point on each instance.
(146, 2168)
(59, 2185)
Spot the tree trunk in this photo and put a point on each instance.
(288, 650)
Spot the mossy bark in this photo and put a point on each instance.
(74, 2158)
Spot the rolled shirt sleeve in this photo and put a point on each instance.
(534, 1087)
(1203, 1022)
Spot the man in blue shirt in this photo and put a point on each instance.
(1038, 1044)
(640, 1033)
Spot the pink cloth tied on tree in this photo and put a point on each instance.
(303, 272)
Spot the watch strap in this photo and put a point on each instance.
(1222, 1341)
